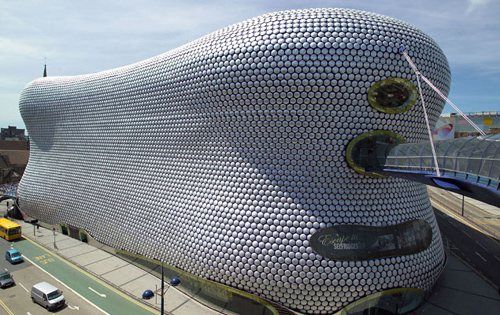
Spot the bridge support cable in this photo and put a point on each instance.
(402, 49)
(418, 75)
(481, 132)
(434, 156)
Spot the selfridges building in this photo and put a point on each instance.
(227, 158)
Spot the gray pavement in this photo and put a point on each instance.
(17, 298)
(3, 205)
(477, 214)
(471, 280)
(479, 250)
(115, 271)
(490, 209)
(461, 291)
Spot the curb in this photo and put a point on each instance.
(115, 287)
(456, 252)
(441, 207)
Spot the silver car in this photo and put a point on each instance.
(6, 280)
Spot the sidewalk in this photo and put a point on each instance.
(476, 214)
(115, 271)
(461, 291)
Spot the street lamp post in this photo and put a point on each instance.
(162, 292)
(463, 201)
(54, 232)
(175, 281)
(34, 222)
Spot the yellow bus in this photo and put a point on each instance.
(9, 230)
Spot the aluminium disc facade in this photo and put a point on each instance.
(224, 156)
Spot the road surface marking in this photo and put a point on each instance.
(482, 246)
(100, 294)
(96, 279)
(74, 307)
(496, 257)
(104, 312)
(23, 287)
(45, 259)
(6, 308)
(481, 256)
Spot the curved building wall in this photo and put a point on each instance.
(224, 156)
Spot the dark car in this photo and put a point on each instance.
(6, 280)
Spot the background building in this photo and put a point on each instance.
(13, 160)
(14, 154)
(12, 133)
(453, 125)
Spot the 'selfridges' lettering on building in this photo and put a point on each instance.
(338, 242)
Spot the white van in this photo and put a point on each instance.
(47, 296)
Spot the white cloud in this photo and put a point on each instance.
(475, 4)
(12, 47)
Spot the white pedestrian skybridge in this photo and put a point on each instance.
(469, 166)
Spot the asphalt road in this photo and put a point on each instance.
(84, 293)
(479, 250)
(17, 300)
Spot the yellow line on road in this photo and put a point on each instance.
(146, 307)
(6, 308)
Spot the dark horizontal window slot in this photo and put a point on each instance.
(359, 242)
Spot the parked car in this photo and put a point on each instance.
(47, 296)
(6, 280)
(13, 256)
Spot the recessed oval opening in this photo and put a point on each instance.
(392, 95)
(367, 153)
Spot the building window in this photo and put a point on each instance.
(83, 236)
(360, 242)
(64, 229)
(367, 153)
(392, 95)
(392, 301)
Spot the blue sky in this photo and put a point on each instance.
(80, 37)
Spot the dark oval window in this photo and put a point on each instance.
(359, 242)
(392, 95)
(367, 153)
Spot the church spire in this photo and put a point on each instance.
(45, 68)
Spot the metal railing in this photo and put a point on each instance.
(471, 159)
